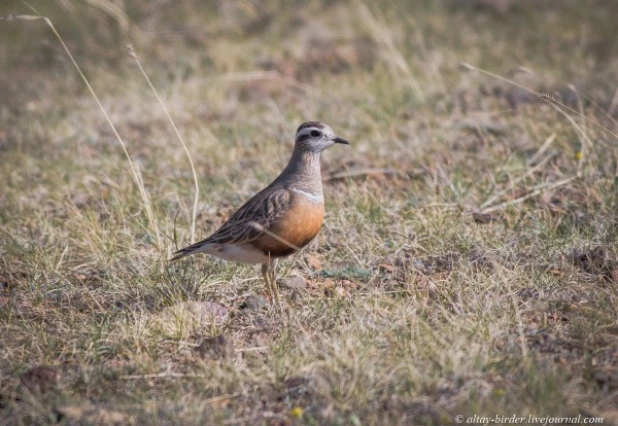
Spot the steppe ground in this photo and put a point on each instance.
(468, 265)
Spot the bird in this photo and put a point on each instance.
(282, 218)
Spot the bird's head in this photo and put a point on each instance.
(315, 136)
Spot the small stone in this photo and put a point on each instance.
(40, 379)
(314, 262)
(216, 347)
(254, 303)
(295, 282)
(483, 218)
(207, 311)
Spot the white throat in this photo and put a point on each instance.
(314, 198)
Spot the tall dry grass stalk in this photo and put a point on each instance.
(132, 166)
(180, 138)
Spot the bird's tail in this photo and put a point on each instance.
(189, 250)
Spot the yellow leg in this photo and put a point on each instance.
(268, 272)
(273, 283)
(266, 276)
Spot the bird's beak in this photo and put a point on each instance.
(341, 140)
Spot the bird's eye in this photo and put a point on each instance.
(315, 133)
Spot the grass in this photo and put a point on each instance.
(467, 266)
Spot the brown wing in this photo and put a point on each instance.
(248, 222)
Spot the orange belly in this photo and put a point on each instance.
(298, 226)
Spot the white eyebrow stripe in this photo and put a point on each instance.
(314, 198)
(306, 131)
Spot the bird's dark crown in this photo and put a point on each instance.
(306, 124)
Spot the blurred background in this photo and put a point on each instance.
(236, 67)
(420, 42)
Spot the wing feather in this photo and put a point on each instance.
(248, 222)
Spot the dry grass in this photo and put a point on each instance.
(468, 264)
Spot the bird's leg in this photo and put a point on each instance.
(266, 276)
(273, 283)
(273, 268)
(269, 274)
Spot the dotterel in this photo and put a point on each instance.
(283, 217)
